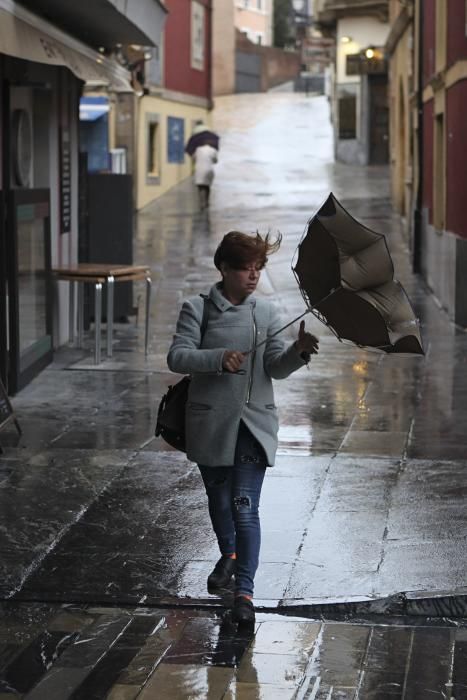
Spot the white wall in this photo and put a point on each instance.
(363, 32)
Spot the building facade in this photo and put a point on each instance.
(223, 47)
(153, 124)
(428, 59)
(358, 92)
(255, 19)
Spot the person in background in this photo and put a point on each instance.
(231, 417)
(203, 146)
(205, 157)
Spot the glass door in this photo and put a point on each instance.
(29, 285)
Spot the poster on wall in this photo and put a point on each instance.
(175, 140)
(197, 35)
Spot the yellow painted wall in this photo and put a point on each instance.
(170, 174)
(401, 81)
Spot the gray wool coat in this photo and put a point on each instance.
(217, 400)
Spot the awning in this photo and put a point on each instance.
(26, 36)
(92, 108)
(105, 22)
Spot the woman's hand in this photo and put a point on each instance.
(306, 342)
(232, 360)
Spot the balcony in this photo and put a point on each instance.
(104, 23)
(327, 12)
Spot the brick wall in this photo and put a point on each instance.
(277, 66)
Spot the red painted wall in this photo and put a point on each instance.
(456, 39)
(429, 39)
(178, 73)
(428, 116)
(456, 150)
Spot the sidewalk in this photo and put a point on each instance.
(363, 514)
(119, 654)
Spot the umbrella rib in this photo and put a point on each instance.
(277, 332)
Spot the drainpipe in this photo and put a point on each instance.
(209, 8)
(417, 218)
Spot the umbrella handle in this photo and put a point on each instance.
(277, 332)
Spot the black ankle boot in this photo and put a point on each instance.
(243, 610)
(222, 573)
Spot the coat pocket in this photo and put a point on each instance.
(270, 406)
(194, 406)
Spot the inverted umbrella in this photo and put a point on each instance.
(346, 277)
(202, 138)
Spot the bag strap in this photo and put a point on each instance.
(205, 319)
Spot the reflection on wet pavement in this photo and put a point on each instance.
(88, 653)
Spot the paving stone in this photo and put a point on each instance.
(253, 691)
(124, 692)
(283, 637)
(277, 669)
(187, 682)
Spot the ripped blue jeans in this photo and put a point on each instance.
(233, 498)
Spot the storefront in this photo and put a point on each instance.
(42, 74)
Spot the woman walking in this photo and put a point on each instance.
(231, 419)
(205, 157)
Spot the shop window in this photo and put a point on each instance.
(348, 117)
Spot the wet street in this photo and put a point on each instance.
(105, 543)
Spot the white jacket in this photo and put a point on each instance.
(204, 157)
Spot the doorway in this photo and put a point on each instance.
(25, 278)
(379, 119)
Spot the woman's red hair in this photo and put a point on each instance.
(239, 249)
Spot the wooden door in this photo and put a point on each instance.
(379, 119)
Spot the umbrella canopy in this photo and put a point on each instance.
(346, 276)
(202, 138)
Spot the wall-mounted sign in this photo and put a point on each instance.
(197, 35)
(175, 140)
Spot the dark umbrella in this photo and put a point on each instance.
(346, 277)
(203, 138)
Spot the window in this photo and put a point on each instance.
(152, 149)
(348, 117)
(197, 35)
(441, 35)
(439, 175)
(352, 64)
